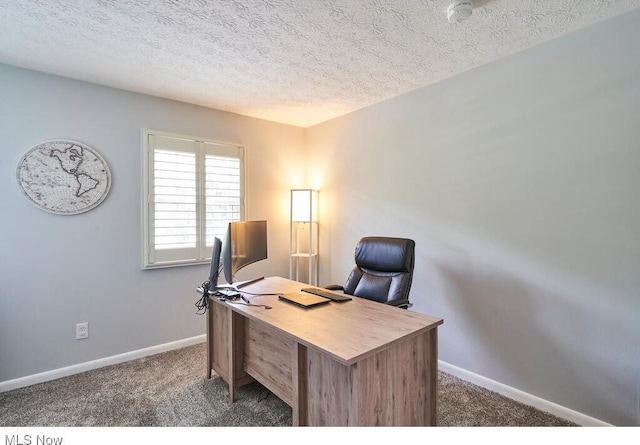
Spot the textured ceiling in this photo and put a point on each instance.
(299, 62)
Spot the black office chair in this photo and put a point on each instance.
(383, 271)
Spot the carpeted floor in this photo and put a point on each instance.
(170, 389)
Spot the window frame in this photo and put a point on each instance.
(201, 147)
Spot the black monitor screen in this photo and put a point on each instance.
(215, 263)
(246, 243)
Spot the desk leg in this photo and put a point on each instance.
(209, 340)
(232, 362)
(225, 346)
(431, 416)
(300, 386)
(236, 341)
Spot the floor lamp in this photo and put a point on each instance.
(303, 243)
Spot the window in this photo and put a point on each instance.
(192, 189)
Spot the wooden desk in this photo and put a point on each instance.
(353, 363)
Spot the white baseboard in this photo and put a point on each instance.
(492, 385)
(100, 363)
(521, 396)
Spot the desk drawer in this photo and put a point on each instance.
(268, 358)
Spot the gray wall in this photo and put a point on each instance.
(56, 271)
(519, 181)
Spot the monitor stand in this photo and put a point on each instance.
(242, 284)
(231, 291)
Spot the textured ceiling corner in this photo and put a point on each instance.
(299, 62)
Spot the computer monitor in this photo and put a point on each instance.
(210, 287)
(214, 273)
(245, 243)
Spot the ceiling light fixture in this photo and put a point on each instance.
(459, 10)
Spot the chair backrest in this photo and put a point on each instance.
(383, 270)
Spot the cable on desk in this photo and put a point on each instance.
(203, 303)
(248, 304)
(259, 294)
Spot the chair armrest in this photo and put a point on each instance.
(400, 304)
(334, 287)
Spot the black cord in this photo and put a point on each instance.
(249, 304)
(257, 295)
(264, 397)
(203, 302)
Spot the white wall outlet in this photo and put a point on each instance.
(82, 330)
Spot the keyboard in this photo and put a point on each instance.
(326, 293)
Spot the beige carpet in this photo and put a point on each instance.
(170, 389)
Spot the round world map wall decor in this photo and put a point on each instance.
(64, 177)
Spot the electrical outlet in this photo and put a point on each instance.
(82, 330)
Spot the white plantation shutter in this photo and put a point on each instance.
(222, 194)
(174, 202)
(193, 188)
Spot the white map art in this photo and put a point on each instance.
(64, 177)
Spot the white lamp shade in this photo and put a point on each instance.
(304, 205)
